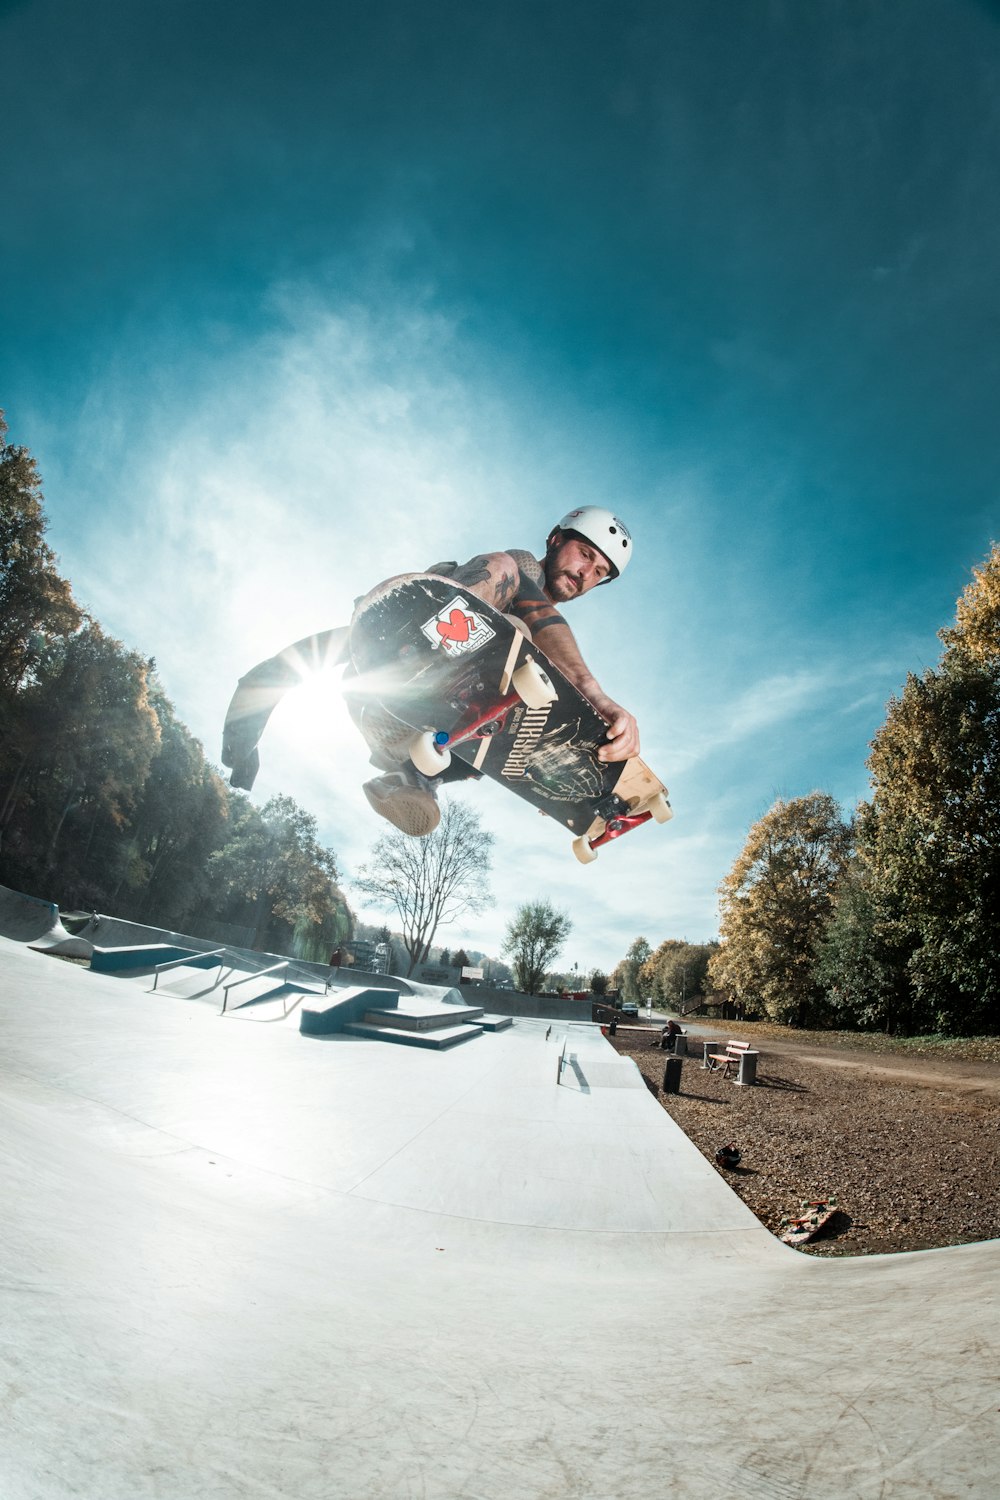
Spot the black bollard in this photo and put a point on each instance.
(672, 1075)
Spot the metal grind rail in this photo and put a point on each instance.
(571, 1026)
(176, 963)
(281, 968)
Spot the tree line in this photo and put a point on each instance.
(887, 920)
(673, 975)
(106, 798)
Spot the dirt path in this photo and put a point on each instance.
(951, 1073)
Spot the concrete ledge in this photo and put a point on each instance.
(328, 1014)
(144, 956)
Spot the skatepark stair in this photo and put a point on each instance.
(420, 1023)
(383, 1015)
(437, 1037)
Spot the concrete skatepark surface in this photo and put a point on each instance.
(239, 1262)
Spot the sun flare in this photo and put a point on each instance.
(313, 715)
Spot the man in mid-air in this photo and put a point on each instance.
(588, 547)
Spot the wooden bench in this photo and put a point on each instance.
(730, 1058)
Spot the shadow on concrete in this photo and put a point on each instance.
(578, 1073)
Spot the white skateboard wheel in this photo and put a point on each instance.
(660, 808)
(429, 757)
(584, 853)
(533, 686)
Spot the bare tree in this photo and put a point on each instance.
(431, 881)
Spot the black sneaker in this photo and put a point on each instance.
(406, 799)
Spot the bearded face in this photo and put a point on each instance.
(573, 566)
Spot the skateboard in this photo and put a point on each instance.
(811, 1219)
(473, 686)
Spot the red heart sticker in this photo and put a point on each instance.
(455, 628)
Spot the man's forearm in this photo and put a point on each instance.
(554, 637)
(561, 649)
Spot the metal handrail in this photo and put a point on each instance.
(260, 974)
(562, 1060)
(175, 963)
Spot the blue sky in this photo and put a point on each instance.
(297, 298)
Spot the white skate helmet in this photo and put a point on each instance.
(610, 535)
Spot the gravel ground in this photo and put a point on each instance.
(907, 1141)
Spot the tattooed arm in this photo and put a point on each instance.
(553, 636)
(492, 577)
(513, 583)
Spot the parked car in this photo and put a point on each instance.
(629, 1008)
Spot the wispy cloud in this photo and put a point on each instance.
(340, 447)
(720, 724)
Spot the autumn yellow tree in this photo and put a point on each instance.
(35, 601)
(929, 841)
(775, 904)
(975, 635)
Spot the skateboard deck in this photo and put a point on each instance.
(472, 685)
(811, 1219)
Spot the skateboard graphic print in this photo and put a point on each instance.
(458, 630)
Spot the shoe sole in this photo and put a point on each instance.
(412, 811)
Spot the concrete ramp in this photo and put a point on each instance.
(444, 994)
(266, 999)
(62, 944)
(236, 1265)
(26, 919)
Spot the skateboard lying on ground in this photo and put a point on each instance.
(811, 1219)
(472, 685)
